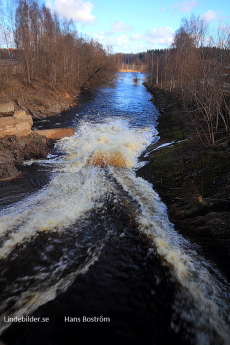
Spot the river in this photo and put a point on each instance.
(88, 255)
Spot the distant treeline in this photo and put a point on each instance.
(49, 47)
(136, 61)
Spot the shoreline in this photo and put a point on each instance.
(14, 150)
(193, 182)
(39, 101)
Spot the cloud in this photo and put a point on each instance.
(117, 27)
(137, 37)
(209, 16)
(185, 6)
(108, 40)
(122, 43)
(78, 10)
(161, 36)
(155, 38)
(120, 27)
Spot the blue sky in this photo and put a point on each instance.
(137, 25)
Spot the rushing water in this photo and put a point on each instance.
(96, 241)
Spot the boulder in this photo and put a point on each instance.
(19, 125)
(20, 114)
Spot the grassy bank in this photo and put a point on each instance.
(193, 181)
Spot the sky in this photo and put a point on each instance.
(137, 25)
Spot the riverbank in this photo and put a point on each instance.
(40, 101)
(193, 181)
(14, 150)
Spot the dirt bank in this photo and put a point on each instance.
(14, 150)
(193, 181)
(39, 100)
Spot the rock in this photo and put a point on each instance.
(7, 107)
(19, 125)
(6, 114)
(56, 133)
(19, 114)
(8, 171)
(13, 150)
(191, 210)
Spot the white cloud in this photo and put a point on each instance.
(121, 43)
(161, 36)
(209, 16)
(137, 37)
(155, 38)
(120, 27)
(78, 10)
(117, 27)
(185, 6)
(115, 41)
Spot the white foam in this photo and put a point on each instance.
(67, 197)
(79, 187)
(206, 303)
(111, 137)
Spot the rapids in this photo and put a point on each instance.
(68, 231)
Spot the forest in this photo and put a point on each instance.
(48, 48)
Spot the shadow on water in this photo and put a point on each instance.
(127, 285)
(33, 178)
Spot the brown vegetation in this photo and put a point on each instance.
(43, 74)
(190, 84)
(131, 62)
(48, 54)
(197, 67)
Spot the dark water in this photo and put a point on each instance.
(87, 247)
